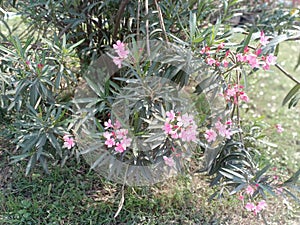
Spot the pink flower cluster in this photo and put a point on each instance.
(68, 141)
(212, 61)
(224, 130)
(122, 53)
(180, 126)
(169, 161)
(279, 128)
(254, 59)
(234, 92)
(116, 137)
(256, 208)
(250, 206)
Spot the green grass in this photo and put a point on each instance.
(72, 195)
(267, 91)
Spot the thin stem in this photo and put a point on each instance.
(138, 21)
(238, 108)
(118, 18)
(287, 74)
(282, 70)
(147, 28)
(161, 20)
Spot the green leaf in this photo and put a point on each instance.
(54, 143)
(233, 174)
(101, 160)
(238, 188)
(261, 172)
(293, 179)
(30, 164)
(246, 41)
(292, 195)
(291, 93)
(267, 189)
(294, 101)
(193, 24)
(43, 161)
(18, 158)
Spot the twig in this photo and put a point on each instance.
(118, 17)
(287, 74)
(123, 195)
(161, 20)
(138, 21)
(147, 28)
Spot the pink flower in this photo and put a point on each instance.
(205, 49)
(250, 206)
(210, 135)
(174, 135)
(210, 61)
(119, 45)
(227, 134)
(271, 59)
(68, 142)
(241, 58)
(221, 46)
(225, 63)
(261, 205)
(258, 51)
(108, 124)
(120, 49)
(186, 119)
(118, 61)
(219, 126)
(40, 66)
(227, 53)
(126, 141)
(252, 60)
(249, 190)
(230, 92)
(244, 97)
(123, 54)
(120, 147)
(117, 124)
(189, 134)
(256, 208)
(222, 129)
(121, 133)
(229, 122)
(167, 128)
(169, 161)
(266, 66)
(263, 39)
(170, 115)
(241, 197)
(110, 142)
(279, 128)
(107, 134)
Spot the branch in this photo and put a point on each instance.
(161, 20)
(147, 28)
(118, 17)
(287, 74)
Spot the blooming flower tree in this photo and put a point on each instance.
(169, 130)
